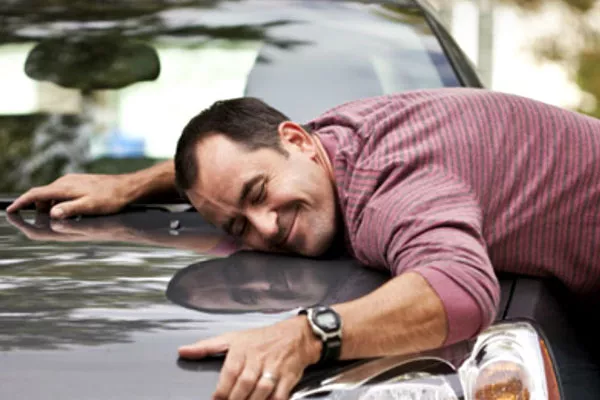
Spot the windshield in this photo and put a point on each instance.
(89, 93)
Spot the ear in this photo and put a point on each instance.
(295, 138)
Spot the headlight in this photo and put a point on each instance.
(508, 361)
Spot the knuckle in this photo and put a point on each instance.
(247, 379)
(232, 368)
(220, 393)
(265, 385)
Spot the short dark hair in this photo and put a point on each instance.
(246, 120)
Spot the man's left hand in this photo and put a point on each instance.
(263, 363)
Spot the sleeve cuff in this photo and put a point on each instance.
(464, 316)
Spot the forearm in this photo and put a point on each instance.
(154, 182)
(403, 316)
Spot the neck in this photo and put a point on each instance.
(324, 158)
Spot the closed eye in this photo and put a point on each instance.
(261, 193)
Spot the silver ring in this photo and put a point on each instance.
(269, 376)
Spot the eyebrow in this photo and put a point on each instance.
(246, 189)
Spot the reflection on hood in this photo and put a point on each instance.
(254, 281)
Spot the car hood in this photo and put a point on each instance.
(96, 307)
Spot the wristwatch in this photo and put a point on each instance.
(326, 324)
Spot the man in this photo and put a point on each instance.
(436, 186)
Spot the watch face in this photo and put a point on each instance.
(328, 321)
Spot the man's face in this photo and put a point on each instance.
(273, 202)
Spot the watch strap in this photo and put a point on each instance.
(330, 351)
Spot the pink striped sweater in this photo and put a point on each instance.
(456, 183)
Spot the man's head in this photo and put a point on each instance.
(248, 169)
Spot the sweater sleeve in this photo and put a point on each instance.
(431, 223)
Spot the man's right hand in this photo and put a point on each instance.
(78, 194)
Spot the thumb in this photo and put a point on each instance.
(211, 347)
(67, 209)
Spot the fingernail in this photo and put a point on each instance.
(57, 212)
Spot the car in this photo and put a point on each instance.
(96, 307)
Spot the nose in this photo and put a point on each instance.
(264, 221)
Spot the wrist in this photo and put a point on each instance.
(132, 186)
(311, 343)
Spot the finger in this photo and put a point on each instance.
(263, 388)
(42, 193)
(246, 381)
(285, 386)
(21, 202)
(70, 208)
(232, 368)
(204, 348)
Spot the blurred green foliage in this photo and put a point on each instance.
(575, 43)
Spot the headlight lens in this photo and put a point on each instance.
(508, 361)
(502, 380)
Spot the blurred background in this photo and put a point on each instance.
(548, 50)
(106, 87)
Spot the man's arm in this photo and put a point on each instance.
(408, 315)
(156, 181)
(431, 224)
(99, 194)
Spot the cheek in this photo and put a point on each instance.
(312, 187)
(305, 182)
